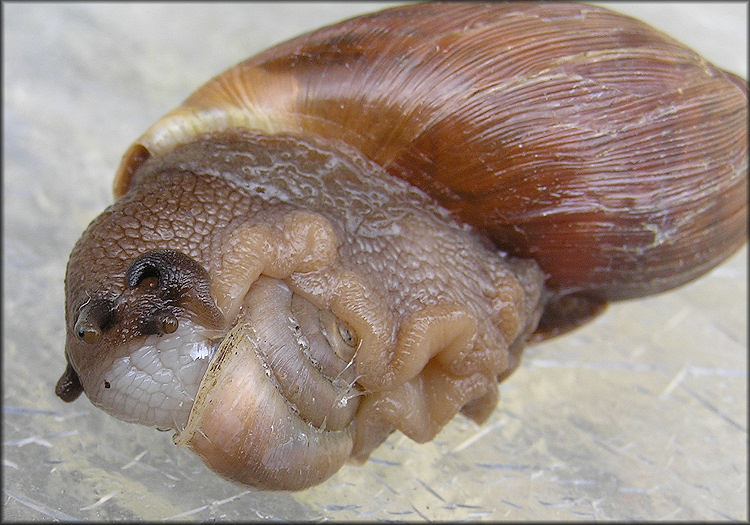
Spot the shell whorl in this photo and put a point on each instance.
(566, 133)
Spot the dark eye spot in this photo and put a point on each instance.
(88, 333)
(347, 334)
(106, 384)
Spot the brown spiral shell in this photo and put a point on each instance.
(605, 150)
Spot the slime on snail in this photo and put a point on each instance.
(358, 231)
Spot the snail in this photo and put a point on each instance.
(358, 231)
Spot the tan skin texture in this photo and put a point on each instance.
(304, 218)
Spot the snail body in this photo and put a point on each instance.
(357, 231)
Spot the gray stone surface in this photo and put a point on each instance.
(642, 414)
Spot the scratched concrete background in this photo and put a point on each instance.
(641, 415)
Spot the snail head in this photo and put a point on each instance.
(124, 315)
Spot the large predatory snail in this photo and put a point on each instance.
(357, 231)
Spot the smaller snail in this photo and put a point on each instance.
(359, 230)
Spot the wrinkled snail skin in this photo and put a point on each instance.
(335, 250)
(359, 230)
